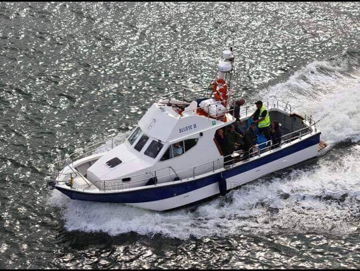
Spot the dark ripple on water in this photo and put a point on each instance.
(70, 71)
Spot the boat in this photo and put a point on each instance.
(173, 158)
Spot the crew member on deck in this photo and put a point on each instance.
(236, 139)
(236, 109)
(262, 117)
(223, 143)
(249, 139)
(275, 134)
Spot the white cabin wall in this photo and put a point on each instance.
(202, 154)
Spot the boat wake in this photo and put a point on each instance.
(328, 91)
(321, 196)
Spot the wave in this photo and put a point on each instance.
(327, 91)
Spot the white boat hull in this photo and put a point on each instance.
(176, 194)
(232, 182)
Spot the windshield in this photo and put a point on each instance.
(134, 136)
(142, 141)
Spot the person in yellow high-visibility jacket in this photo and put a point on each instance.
(262, 118)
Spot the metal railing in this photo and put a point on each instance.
(142, 179)
(266, 146)
(246, 111)
(163, 175)
(84, 152)
(168, 174)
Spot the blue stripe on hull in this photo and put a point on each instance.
(314, 140)
(159, 193)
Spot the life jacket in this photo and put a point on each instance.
(265, 122)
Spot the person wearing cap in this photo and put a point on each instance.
(262, 118)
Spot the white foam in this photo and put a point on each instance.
(332, 97)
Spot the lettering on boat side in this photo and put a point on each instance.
(187, 128)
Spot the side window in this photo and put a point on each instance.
(179, 148)
(154, 148)
(135, 135)
(166, 155)
(142, 141)
(189, 143)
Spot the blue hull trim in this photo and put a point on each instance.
(159, 193)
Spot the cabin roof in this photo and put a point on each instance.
(162, 122)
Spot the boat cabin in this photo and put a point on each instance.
(168, 141)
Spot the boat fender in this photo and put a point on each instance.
(222, 186)
(152, 181)
(176, 179)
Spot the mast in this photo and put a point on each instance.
(224, 76)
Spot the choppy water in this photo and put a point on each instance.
(74, 73)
